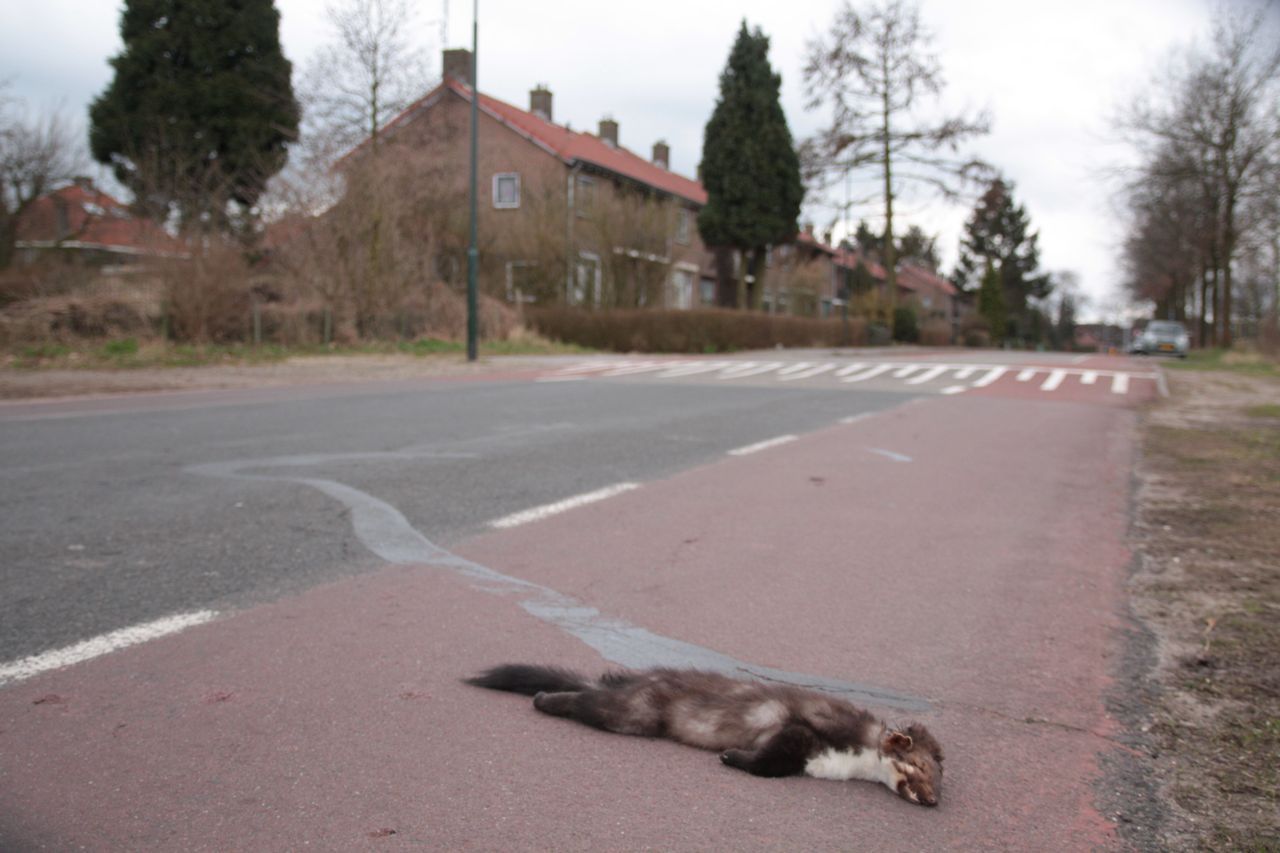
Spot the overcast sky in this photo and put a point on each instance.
(1050, 73)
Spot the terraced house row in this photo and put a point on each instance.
(576, 217)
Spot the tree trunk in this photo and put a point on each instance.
(890, 252)
(726, 292)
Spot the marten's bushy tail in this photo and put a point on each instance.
(530, 680)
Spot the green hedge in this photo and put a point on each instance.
(696, 331)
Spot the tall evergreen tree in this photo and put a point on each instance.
(998, 235)
(201, 107)
(991, 303)
(749, 165)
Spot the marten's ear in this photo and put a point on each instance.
(897, 741)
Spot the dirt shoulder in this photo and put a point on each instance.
(1205, 595)
(19, 383)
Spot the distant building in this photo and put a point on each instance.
(82, 223)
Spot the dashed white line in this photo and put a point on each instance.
(954, 389)
(735, 373)
(694, 369)
(762, 445)
(867, 374)
(540, 512)
(641, 367)
(965, 372)
(97, 646)
(1088, 377)
(1026, 374)
(889, 454)
(813, 371)
(931, 373)
(1054, 380)
(851, 368)
(990, 376)
(906, 370)
(1120, 383)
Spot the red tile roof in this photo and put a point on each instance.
(569, 146)
(918, 278)
(82, 216)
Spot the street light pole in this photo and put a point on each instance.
(473, 253)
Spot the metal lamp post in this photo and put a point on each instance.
(473, 253)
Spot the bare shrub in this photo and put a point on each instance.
(936, 333)
(208, 295)
(705, 330)
(975, 331)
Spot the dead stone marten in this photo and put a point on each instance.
(764, 729)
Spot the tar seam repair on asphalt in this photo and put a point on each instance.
(385, 531)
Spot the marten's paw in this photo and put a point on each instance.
(738, 758)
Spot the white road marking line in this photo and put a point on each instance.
(795, 368)
(1054, 380)
(1088, 377)
(889, 454)
(25, 668)
(540, 512)
(954, 389)
(1025, 375)
(588, 366)
(734, 373)
(762, 445)
(990, 376)
(641, 367)
(867, 374)
(906, 370)
(853, 419)
(1120, 383)
(695, 368)
(931, 373)
(1080, 359)
(965, 372)
(813, 371)
(851, 368)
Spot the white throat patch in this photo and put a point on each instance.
(845, 764)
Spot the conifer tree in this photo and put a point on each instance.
(749, 165)
(998, 235)
(201, 107)
(991, 303)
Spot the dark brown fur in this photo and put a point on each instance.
(765, 729)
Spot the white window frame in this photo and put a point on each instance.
(684, 226)
(584, 200)
(514, 294)
(497, 179)
(683, 295)
(583, 291)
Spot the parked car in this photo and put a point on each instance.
(1163, 337)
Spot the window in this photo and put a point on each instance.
(708, 288)
(683, 218)
(506, 190)
(585, 289)
(682, 288)
(521, 285)
(584, 196)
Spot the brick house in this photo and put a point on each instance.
(564, 215)
(80, 222)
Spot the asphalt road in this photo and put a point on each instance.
(954, 556)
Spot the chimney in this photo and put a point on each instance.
(540, 102)
(457, 64)
(609, 132)
(662, 154)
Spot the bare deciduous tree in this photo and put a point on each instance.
(36, 153)
(872, 69)
(1213, 123)
(371, 71)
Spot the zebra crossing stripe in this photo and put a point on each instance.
(1120, 383)
(734, 373)
(931, 373)
(1054, 380)
(1025, 375)
(990, 376)
(1088, 377)
(867, 374)
(813, 371)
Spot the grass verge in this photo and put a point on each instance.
(128, 353)
(1208, 533)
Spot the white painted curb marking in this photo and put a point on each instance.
(97, 646)
(762, 445)
(540, 512)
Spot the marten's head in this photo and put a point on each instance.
(916, 759)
